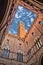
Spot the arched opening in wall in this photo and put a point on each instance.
(20, 57)
(3, 6)
(42, 60)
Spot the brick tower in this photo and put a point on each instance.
(21, 30)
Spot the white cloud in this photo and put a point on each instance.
(29, 13)
(32, 19)
(19, 16)
(9, 31)
(28, 24)
(23, 12)
(26, 30)
(16, 15)
(20, 8)
(34, 15)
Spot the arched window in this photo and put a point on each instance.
(20, 54)
(20, 57)
(5, 53)
(40, 22)
(33, 34)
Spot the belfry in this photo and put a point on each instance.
(21, 30)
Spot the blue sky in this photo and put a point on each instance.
(24, 15)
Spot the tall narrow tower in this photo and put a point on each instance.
(21, 30)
